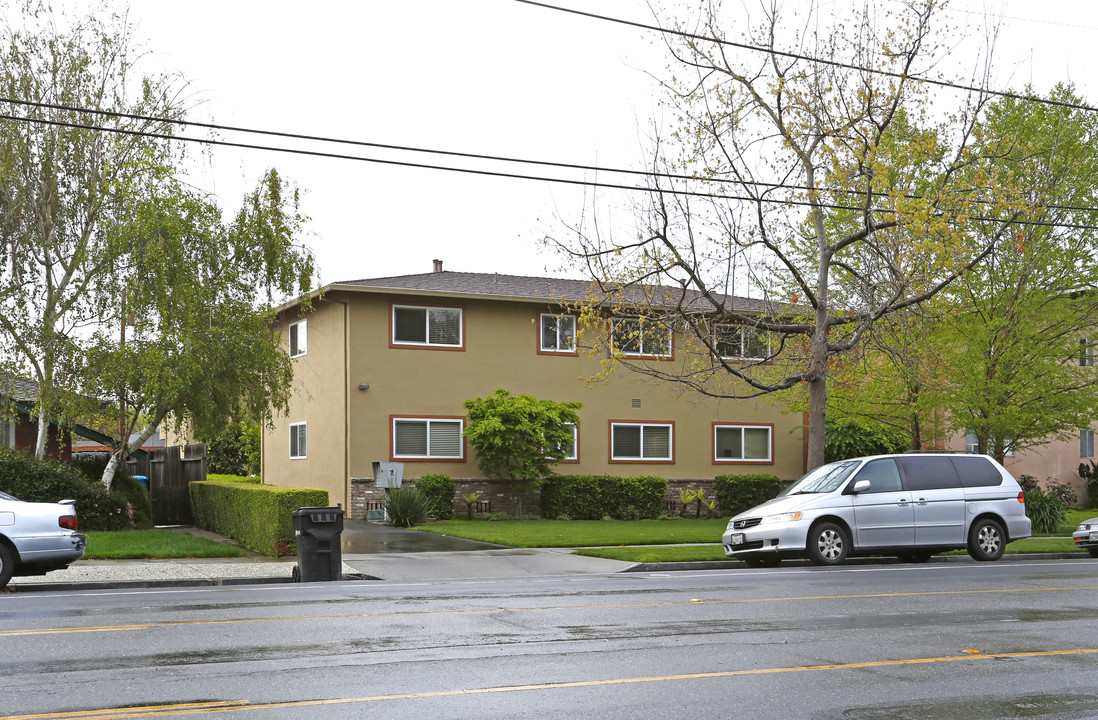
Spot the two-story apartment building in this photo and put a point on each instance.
(383, 366)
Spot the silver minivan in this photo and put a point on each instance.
(911, 505)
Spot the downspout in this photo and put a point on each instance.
(346, 405)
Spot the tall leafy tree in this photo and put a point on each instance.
(519, 438)
(200, 349)
(66, 189)
(1017, 322)
(811, 173)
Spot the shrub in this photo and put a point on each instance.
(34, 480)
(1089, 474)
(406, 506)
(136, 494)
(1046, 510)
(736, 493)
(592, 497)
(848, 438)
(439, 491)
(256, 516)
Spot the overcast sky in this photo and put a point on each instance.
(479, 76)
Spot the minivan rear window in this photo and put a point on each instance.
(928, 473)
(976, 471)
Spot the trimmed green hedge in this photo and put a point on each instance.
(736, 493)
(593, 497)
(256, 516)
(439, 490)
(252, 479)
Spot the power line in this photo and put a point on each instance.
(512, 176)
(810, 58)
(450, 153)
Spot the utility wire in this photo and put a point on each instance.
(449, 153)
(810, 58)
(514, 176)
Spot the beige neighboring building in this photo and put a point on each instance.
(382, 368)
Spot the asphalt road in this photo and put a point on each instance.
(958, 640)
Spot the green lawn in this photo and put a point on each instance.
(155, 544)
(696, 553)
(579, 533)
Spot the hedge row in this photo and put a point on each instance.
(736, 493)
(593, 497)
(256, 516)
(217, 477)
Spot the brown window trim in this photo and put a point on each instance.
(393, 457)
(713, 443)
(537, 339)
(426, 346)
(638, 461)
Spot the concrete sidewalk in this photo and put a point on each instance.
(419, 566)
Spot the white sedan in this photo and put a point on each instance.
(37, 537)
(1086, 536)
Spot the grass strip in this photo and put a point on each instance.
(155, 545)
(576, 533)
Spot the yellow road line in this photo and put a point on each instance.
(196, 708)
(534, 608)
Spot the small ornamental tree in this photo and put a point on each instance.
(519, 438)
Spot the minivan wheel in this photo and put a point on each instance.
(986, 540)
(827, 544)
(1093, 553)
(7, 565)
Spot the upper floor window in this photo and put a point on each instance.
(427, 326)
(637, 336)
(298, 445)
(1086, 443)
(1086, 352)
(742, 443)
(298, 338)
(428, 438)
(558, 333)
(740, 342)
(644, 442)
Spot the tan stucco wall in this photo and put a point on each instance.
(501, 343)
(319, 399)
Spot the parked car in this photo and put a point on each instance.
(911, 505)
(1086, 536)
(37, 537)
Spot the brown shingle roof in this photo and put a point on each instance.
(520, 287)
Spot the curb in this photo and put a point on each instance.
(800, 562)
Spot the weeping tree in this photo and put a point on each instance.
(807, 170)
(200, 350)
(66, 189)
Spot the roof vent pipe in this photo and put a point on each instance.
(438, 265)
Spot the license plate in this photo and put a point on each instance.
(1094, 537)
(736, 539)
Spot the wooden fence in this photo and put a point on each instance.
(170, 470)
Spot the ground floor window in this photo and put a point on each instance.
(428, 438)
(646, 442)
(1086, 443)
(743, 443)
(298, 443)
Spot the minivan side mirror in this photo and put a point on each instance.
(860, 486)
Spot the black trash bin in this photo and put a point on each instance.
(316, 531)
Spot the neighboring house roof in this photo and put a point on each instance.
(23, 395)
(525, 288)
